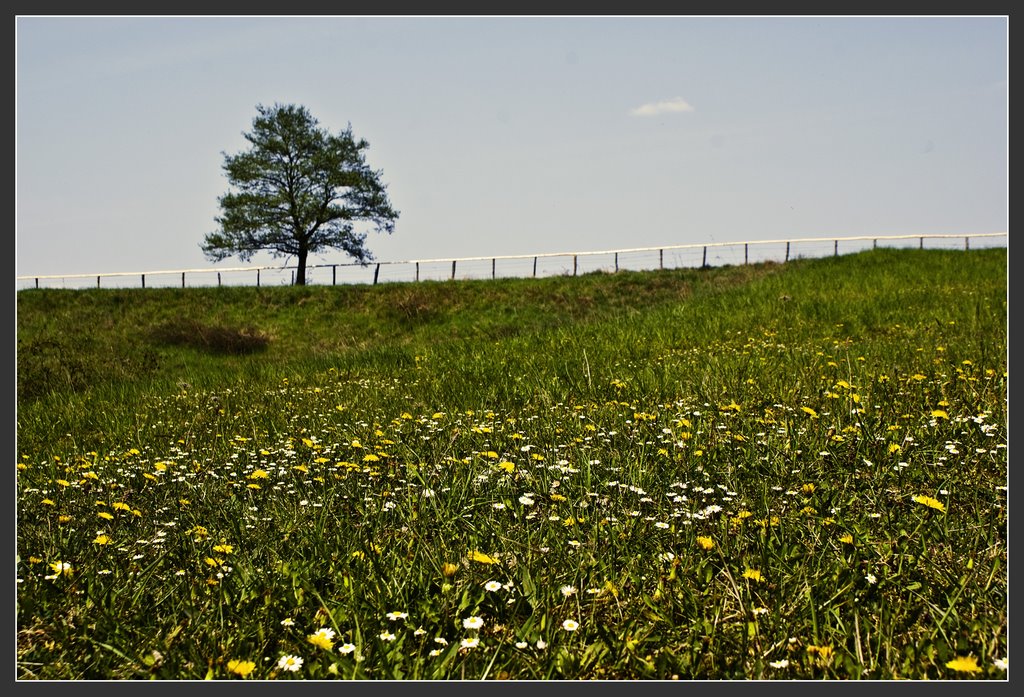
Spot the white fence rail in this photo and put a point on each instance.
(517, 266)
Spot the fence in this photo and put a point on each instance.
(518, 266)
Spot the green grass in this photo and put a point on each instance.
(771, 471)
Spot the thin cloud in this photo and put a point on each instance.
(667, 106)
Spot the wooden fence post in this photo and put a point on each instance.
(183, 279)
(835, 250)
(787, 251)
(453, 269)
(143, 280)
(334, 275)
(704, 263)
(257, 278)
(573, 264)
(417, 271)
(661, 259)
(921, 244)
(376, 272)
(493, 262)
(535, 267)
(746, 257)
(874, 244)
(616, 262)
(97, 281)
(967, 243)
(37, 284)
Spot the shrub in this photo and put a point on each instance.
(212, 339)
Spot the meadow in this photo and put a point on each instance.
(769, 472)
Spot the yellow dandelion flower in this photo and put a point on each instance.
(242, 668)
(964, 664)
(705, 542)
(48, 502)
(482, 558)
(753, 575)
(59, 568)
(322, 638)
(105, 515)
(810, 412)
(224, 549)
(120, 506)
(939, 414)
(807, 488)
(102, 539)
(847, 538)
(259, 474)
(449, 569)
(824, 653)
(507, 466)
(930, 502)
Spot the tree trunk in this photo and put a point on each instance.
(300, 273)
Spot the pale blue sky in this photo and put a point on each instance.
(516, 135)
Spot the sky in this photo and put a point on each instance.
(515, 135)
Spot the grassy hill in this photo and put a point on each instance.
(734, 472)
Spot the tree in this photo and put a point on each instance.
(298, 190)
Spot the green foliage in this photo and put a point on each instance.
(298, 190)
(60, 364)
(769, 472)
(215, 339)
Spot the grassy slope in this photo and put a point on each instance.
(574, 335)
(911, 330)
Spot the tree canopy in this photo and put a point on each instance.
(298, 190)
